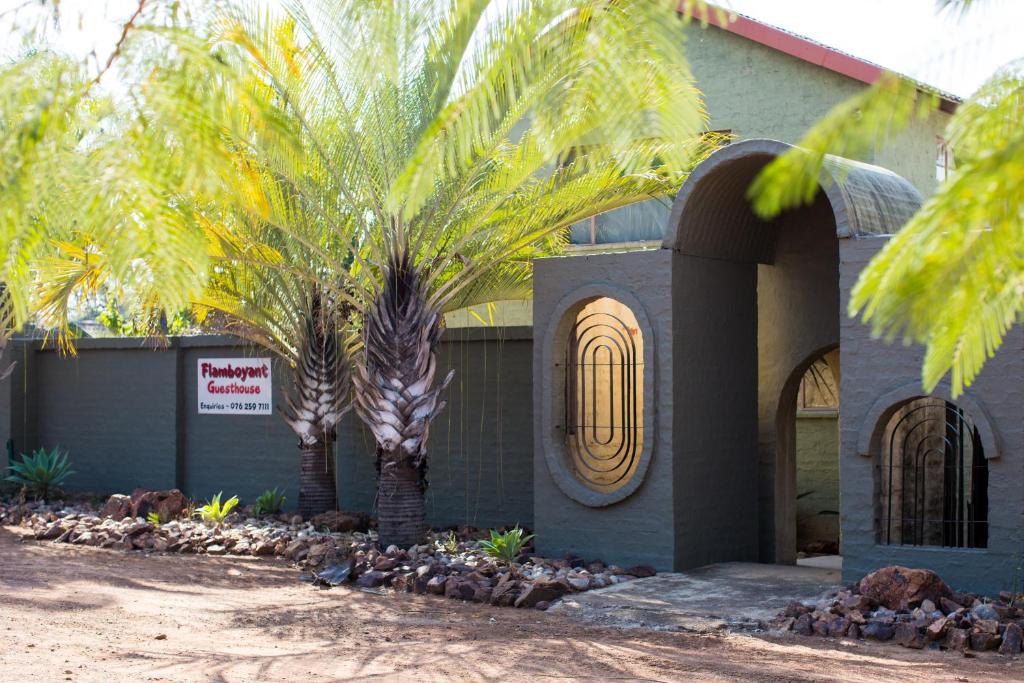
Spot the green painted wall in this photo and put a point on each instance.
(817, 478)
(758, 92)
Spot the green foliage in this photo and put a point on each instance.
(214, 512)
(154, 518)
(952, 278)
(41, 470)
(125, 323)
(450, 543)
(505, 546)
(269, 502)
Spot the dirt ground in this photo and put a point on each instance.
(84, 614)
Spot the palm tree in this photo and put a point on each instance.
(459, 135)
(952, 278)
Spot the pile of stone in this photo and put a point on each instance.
(467, 573)
(123, 524)
(334, 548)
(915, 608)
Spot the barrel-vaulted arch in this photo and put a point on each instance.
(777, 285)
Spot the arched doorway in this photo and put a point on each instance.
(808, 461)
(784, 274)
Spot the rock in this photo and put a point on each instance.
(342, 522)
(542, 605)
(853, 631)
(984, 641)
(215, 549)
(425, 570)
(505, 593)
(927, 606)
(540, 590)
(909, 635)
(579, 583)
(901, 587)
(937, 629)
(642, 571)
(957, 639)
(985, 611)
(460, 588)
(168, 504)
(877, 630)
(385, 564)
(50, 533)
(483, 594)
(990, 626)
(1011, 644)
(820, 627)
(838, 627)
(436, 585)
(948, 606)
(795, 609)
(803, 625)
(117, 507)
(263, 549)
(371, 579)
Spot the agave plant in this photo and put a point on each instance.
(269, 502)
(505, 546)
(41, 470)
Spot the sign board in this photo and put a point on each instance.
(234, 386)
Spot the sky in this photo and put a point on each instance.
(953, 53)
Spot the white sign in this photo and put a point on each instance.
(234, 386)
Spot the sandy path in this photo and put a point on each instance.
(84, 614)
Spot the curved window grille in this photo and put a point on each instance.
(934, 478)
(604, 395)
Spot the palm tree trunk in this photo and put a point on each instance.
(317, 403)
(397, 397)
(400, 501)
(317, 491)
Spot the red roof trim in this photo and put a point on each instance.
(798, 47)
(802, 48)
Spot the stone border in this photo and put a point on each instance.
(554, 450)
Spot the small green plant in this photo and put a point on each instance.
(268, 503)
(505, 546)
(154, 518)
(214, 512)
(450, 543)
(41, 470)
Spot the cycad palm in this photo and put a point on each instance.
(466, 133)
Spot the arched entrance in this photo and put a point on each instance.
(807, 462)
(792, 265)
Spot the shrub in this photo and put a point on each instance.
(154, 518)
(505, 546)
(215, 512)
(41, 470)
(268, 503)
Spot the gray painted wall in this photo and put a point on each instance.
(128, 415)
(874, 373)
(639, 528)
(481, 447)
(817, 477)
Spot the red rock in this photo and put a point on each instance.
(901, 587)
(117, 507)
(540, 590)
(948, 606)
(909, 635)
(436, 585)
(802, 626)
(1011, 644)
(460, 588)
(371, 579)
(795, 609)
(542, 605)
(957, 639)
(168, 504)
(937, 629)
(984, 641)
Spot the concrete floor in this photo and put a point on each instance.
(733, 595)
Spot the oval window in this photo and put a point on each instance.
(604, 401)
